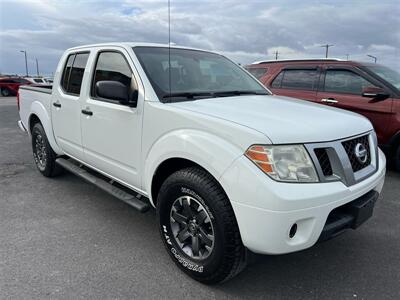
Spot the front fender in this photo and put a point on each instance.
(211, 152)
(38, 109)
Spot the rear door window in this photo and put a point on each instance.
(299, 79)
(77, 71)
(344, 81)
(74, 69)
(67, 71)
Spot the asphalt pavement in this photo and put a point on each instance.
(63, 238)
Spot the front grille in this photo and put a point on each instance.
(349, 147)
(324, 162)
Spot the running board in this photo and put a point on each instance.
(117, 192)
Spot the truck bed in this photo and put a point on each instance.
(30, 98)
(38, 88)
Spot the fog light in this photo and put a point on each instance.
(293, 230)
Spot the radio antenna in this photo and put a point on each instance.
(169, 47)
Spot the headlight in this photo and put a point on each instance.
(290, 163)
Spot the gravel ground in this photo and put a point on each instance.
(63, 238)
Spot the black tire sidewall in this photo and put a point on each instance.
(5, 92)
(397, 158)
(168, 194)
(38, 129)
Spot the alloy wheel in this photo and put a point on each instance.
(40, 153)
(192, 227)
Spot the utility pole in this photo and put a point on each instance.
(276, 54)
(37, 67)
(347, 56)
(373, 57)
(327, 49)
(26, 62)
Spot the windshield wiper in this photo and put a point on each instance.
(238, 93)
(188, 95)
(197, 95)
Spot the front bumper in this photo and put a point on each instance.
(266, 210)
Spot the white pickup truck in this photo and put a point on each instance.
(228, 166)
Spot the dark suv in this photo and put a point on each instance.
(368, 89)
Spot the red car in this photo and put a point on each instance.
(9, 85)
(369, 89)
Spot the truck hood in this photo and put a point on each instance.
(282, 119)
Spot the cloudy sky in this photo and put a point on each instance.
(243, 30)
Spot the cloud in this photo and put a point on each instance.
(244, 31)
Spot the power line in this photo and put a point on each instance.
(326, 49)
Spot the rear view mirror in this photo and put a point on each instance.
(376, 93)
(115, 90)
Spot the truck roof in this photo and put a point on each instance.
(133, 44)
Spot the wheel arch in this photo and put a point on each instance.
(394, 142)
(165, 169)
(33, 119)
(185, 148)
(39, 113)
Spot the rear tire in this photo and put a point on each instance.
(43, 154)
(198, 226)
(5, 92)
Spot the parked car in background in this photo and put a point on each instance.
(36, 80)
(9, 85)
(48, 80)
(369, 89)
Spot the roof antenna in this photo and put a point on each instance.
(169, 47)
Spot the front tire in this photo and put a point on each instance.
(198, 226)
(43, 154)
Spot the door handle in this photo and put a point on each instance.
(57, 104)
(329, 100)
(87, 111)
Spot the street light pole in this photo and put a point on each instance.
(373, 57)
(37, 67)
(26, 62)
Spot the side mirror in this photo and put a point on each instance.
(376, 93)
(115, 90)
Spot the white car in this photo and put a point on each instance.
(228, 166)
(48, 80)
(36, 80)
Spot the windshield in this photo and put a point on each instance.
(193, 74)
(389, 75)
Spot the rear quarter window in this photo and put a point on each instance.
(257, 72)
